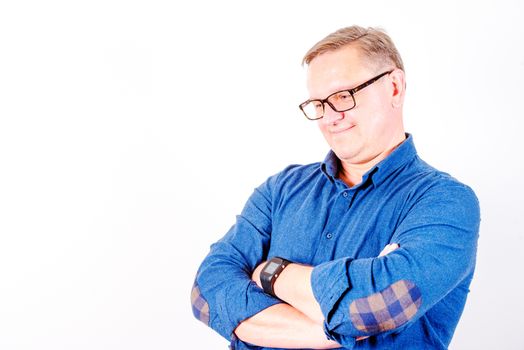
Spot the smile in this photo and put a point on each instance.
(335, 132)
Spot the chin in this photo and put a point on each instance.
(345, 149)
(345, 154)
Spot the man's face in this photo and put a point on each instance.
(361, 134)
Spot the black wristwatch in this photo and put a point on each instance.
(270, 273)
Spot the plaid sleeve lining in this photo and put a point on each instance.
(387, 309)
(199, 305)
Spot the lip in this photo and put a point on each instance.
(340, 131)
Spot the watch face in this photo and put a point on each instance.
(271, 267)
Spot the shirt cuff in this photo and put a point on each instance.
(329, 282)
(247, 304)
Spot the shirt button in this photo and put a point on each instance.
(345, 194)
(329, 235)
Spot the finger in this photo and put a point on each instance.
(388, 249)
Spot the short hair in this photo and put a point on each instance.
(373, 43)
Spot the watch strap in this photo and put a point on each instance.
(271, 272)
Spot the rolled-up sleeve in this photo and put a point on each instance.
(223, 294)
(438, 241)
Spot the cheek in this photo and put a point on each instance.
(374, 120)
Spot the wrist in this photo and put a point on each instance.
(282, 287)
(290, 283)
(271, 272)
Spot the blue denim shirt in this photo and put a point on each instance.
(411, 298)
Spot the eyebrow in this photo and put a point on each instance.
(333, 92)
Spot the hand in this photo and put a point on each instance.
(388, 249)
(255, 276)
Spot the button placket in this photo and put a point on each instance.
(328, 238)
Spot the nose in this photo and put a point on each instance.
(331, 116)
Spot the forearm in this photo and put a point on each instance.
(283, 326)
(294, 287)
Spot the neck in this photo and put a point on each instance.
(351, 173)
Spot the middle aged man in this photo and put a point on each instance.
(370, 249)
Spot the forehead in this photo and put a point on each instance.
(336, 70)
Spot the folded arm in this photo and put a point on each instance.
(283, 326)
(290, 288)
(226, 299)
(364, 297)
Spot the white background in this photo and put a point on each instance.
(132, 132)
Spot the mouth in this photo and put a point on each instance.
(342, 130)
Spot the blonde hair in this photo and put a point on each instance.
(373, 43)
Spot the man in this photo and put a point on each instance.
(370, 249)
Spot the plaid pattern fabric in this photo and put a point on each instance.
(199, 305)
(387, 309)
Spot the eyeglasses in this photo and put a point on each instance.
(340, 101)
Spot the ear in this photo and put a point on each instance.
(398, 84)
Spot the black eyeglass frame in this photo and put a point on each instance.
(352, 92)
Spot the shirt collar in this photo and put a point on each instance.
(330, 166)
(395, 160)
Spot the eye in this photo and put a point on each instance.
(343, 95)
